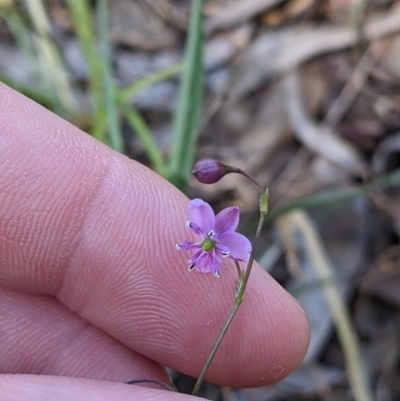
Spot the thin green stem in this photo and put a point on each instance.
(239, 270)
(139, 126)
(116, 139)
(238, 300)
(130, 90)
(190, 100)
(231, 169)
(82, 20)
(252, 255)
(216, 345)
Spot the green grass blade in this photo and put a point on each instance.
(130, 90)
(337, 196)
(53, 69)
(82, 19)
(187, 117)
(116, 140)
(139, 126)
(19, 30)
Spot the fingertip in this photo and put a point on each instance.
(270, 331)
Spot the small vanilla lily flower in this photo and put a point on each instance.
(218, 237)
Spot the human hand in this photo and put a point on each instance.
(92, 290)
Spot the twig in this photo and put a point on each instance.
(354, 84)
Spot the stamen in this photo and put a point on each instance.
(225, 254)
(178, 247)
(191, 267)
(211, 234)
(188, 224)
(216, 274)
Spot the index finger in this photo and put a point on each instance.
(97, 230)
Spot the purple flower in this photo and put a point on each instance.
(218, 237)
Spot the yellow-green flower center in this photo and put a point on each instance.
(207, 245)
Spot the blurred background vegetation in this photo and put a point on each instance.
(302, 94)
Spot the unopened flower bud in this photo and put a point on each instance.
(209, 171)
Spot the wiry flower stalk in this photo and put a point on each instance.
(219, 239)
(239, 293)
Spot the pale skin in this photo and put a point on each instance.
(92, 290)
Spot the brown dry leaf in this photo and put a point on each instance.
(136, 24)
(291, 10)
(384, 285)
(319, 138)
(222, 47)
(285, 228)
(383, 151)
(380, 164)
(234, 13)
(170, 12)
(6, 3)
(275, 53)
(391, 59)
(338, 10)
(61, 16)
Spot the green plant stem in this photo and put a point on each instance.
(238, 300)
(252, 255)
(53, 71)
(216, 345)
(141, 129)
(82, 20)
(116, 140)
(239, 270)
(190, 99)
(337, 196)
(124, 94)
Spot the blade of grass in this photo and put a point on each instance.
(82, 19)
(139, 126)
(53, 71)
(187, 117)
(116, 140)
(130, 90)
(18, 29)
(342, 320)
(332, 197)
(22, 36)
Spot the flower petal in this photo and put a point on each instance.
(195, 258)
(201, 216)
(207, 262)
(227, 220)
(239, 246)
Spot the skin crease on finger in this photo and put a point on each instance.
(50, 388)
(39, 335)
(97, 230)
